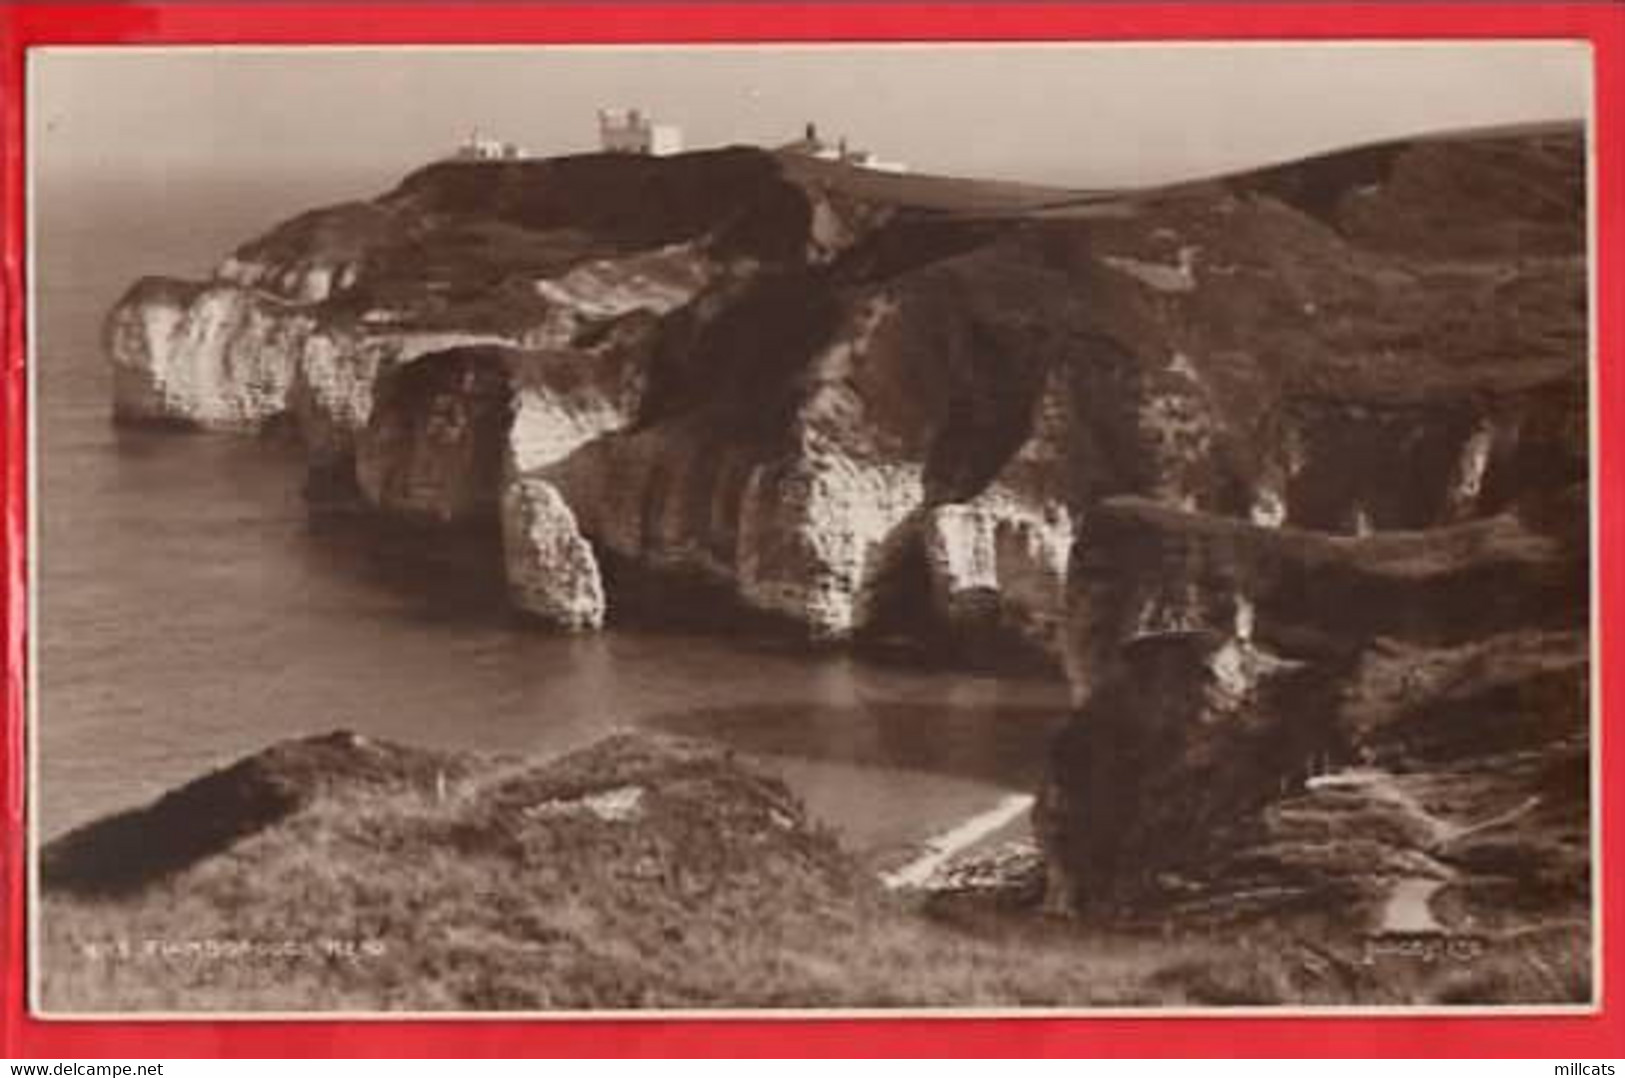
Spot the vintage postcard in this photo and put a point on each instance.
(1023, 528)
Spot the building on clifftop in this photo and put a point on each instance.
(630, 131)
(812, 144)
(478, 148)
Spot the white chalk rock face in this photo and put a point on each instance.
(816, 538)
(552, 572)
(999, 567)
(564, 400)
(214, 356)
(960, 556)
(656, 282)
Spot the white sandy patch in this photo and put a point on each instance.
(942, 848)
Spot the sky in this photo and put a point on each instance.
(1092, 115)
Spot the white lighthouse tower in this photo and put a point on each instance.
(631, 131)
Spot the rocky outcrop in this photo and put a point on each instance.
(206, 355)
(1356, 464)
(552, 572)
(1239, 680)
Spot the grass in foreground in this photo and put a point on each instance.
(640, 873)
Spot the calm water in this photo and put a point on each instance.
(189, 611)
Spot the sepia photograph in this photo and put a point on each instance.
(725, 530)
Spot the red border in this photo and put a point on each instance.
(23, 25)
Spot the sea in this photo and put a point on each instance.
(189, 610)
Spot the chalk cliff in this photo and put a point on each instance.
(722, 367)
(1280, 466)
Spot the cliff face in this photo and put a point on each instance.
(704, 367)
(1329, 635)
(1234, 452)
(1282, 721)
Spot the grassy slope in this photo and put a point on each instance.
(494, 885)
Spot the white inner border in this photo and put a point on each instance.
(33, 560)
